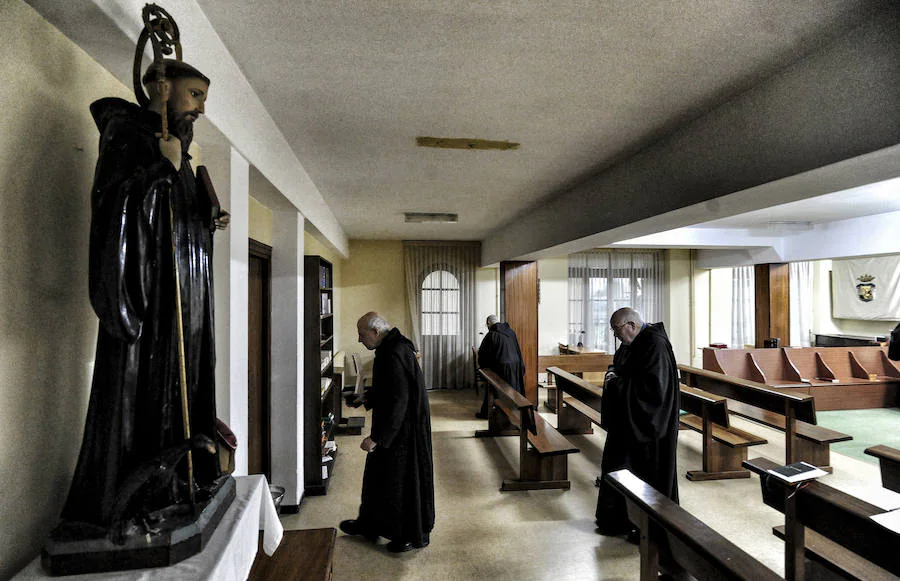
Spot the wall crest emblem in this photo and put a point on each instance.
(865, 290)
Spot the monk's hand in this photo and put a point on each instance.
(368, 444)
(171, 149)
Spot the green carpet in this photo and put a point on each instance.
(868, 428)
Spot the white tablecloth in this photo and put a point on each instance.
(227, 556)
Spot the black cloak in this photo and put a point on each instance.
(499, 352)
(134, 413)
(639, 411)
(398, 482)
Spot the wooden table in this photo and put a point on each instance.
(304, 555)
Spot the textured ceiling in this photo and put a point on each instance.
(580, 85)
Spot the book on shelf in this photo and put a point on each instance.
(797, 472)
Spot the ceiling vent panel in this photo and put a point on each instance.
(464, 143)
(431, 217)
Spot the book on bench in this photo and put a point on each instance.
(797, 472)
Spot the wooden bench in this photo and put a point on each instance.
(724, 446)
(829, 528)
(581, 408)
(306, 555)
(590, 366)
(837, 377)
(543, 451)
(676, 541)
(889, 460)
(793, 414)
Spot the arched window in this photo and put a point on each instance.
(440, 304)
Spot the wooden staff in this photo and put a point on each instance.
(179, 316)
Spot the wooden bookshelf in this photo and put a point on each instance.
(321, 384)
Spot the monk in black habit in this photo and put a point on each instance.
(639, 412)
(398, 482)
(135, 411)
(499, 351)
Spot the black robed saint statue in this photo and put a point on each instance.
(147, 490)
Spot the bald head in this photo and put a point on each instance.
(626, 315)
(626, 323)
(372, 328)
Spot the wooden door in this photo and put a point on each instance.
(259, 442)
(519, 308)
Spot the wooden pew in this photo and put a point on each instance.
(675, 540)
(830, 528)
(889, 460)
(591, 366)
(543, 451)
(837, 377)
(581, 408)
(793, 414)
(724, 446)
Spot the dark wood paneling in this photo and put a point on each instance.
(259, 447)
(773, 303)
(519, 308)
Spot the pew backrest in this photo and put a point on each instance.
(755, 394)
(834, 514)
(516, 405)
(705, 405)
(581, 389)
(692, 545)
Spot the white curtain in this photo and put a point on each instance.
(440, 290)
(743, 307)
(801, 289)
(602, 281)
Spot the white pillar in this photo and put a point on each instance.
(287, 353)
(239, 233)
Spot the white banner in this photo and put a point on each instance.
(866, 288)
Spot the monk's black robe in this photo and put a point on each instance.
(398, 482)
(639, 412)
(134, 412)
(499, 351)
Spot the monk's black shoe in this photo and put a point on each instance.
(399, 546)
(481, 416)
(353, 528)
(612, 529)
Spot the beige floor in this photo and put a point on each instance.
(482, 533)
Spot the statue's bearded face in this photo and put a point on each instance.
(186, 104)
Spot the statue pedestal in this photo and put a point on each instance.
(185, 539)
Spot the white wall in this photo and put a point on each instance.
(678, 317)
(487, 300)
(553, 310)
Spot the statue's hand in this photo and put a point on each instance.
(171, 149)
(222, 221)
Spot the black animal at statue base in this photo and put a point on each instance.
(178, 532)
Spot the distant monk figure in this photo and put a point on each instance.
(398, 481)
(639, 412)
(499, 352)
(135, 410)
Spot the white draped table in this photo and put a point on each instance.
(227, 556)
